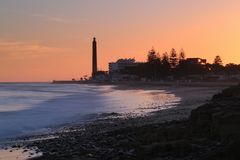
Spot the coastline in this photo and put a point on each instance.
(147, 85)
(113, 122)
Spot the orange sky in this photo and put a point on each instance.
(42, 40)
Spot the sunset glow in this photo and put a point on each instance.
(43, 40)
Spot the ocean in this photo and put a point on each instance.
(30, 108)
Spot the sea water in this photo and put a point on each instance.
(27, 108)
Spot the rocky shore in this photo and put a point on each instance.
(212, 132)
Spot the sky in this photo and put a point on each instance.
(44, 40)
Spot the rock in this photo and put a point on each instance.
(218, 121)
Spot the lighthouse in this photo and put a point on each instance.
(94, 57)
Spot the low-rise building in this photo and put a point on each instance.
(116, 68)
(100, 76)
(121, 64)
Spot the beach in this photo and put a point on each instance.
(188, 98)
(210, 132)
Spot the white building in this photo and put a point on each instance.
(116, 67)
(121, 64)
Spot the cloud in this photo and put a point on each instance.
(59, 19)
(50, 18)
(20, 50)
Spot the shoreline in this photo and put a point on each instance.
(155, 83)
(181, 112)
(203, 135)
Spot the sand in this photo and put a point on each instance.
(17, 154)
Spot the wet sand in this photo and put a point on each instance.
(17, 154)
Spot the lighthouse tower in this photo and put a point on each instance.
(94, 57)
